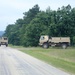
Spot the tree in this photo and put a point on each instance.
(35, 23)
(28, 16)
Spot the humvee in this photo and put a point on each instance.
(45, 41)
(4, 41)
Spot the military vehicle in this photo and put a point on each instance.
(4, 41)
(45, 41)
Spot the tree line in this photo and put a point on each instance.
(35, 22)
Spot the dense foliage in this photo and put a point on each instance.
(35, 23)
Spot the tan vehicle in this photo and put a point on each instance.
(46, 41)
(4, 41)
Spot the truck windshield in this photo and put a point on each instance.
(5, 38)
(42, 38)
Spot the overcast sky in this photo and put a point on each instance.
(11, 10)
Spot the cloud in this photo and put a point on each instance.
(11, 10)
(16, 4)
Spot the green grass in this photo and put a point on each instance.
(61, 58)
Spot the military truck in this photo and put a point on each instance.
(45, 41)
(4, 41)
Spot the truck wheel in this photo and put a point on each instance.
(64, 46)
(45, 45)
(6, 45)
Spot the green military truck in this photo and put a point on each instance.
(4, 41)
(45, 41)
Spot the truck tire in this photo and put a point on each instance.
(64, 46)
(6, 45)
(45, 45)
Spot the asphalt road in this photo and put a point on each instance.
(14, 62)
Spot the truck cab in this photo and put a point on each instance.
(43, 41)
(4, 41)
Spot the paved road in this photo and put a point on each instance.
(14, 62)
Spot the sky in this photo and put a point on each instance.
(11, 10)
